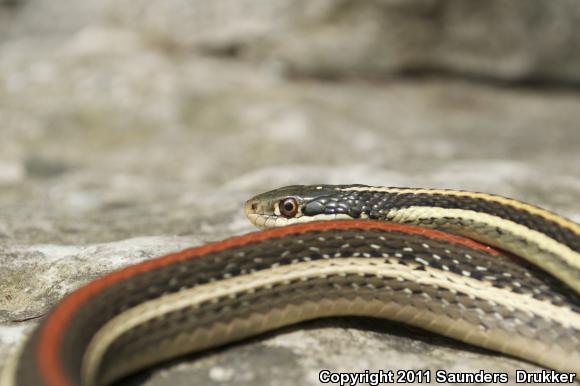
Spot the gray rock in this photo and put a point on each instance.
(507, 40)
(127, 130)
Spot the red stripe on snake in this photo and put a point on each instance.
(54, 328)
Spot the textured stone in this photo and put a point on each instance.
(521, 40)
(128, 131)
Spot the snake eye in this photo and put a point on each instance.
(288, 207)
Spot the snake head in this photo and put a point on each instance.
(295, 204)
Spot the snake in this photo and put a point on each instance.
(483, 269)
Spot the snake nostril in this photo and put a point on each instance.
(254, 206)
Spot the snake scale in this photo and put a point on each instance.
(484, 269)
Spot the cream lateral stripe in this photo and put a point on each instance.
(8, 374)
(415, 213)
(239, 328)
(302, 271)
(488, 197)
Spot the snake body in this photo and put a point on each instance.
(376, 257)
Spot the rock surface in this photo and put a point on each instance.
(129, 129)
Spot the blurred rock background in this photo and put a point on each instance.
(129, 129)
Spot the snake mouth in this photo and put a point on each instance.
(259, 220)
(256, 220)
(262, 215)
(264, 221)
